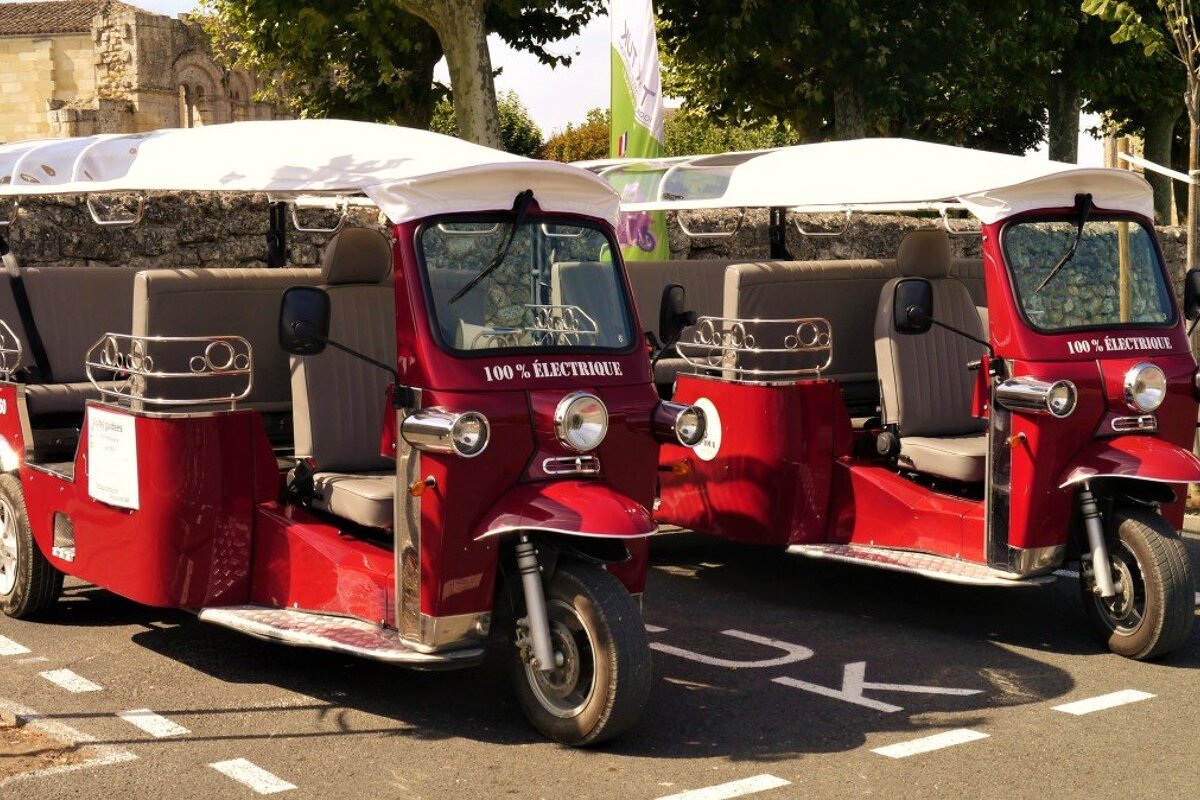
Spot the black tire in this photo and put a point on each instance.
(604, 684)
(29, 584)
(1154, 609)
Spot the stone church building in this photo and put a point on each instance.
(82, 67)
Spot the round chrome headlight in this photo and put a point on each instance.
(1060, 400)
(469, 434)
(580, 421)
(689, 426)
(1145, 387)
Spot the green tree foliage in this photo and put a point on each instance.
(374, 59)
(691, 133)
(955, 71)
(518, 131)
(354, 59)
(587, 141)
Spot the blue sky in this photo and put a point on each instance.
(556, 97)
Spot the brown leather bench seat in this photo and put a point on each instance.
(72, 307)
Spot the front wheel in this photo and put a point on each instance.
(601, 680)
(1154, 607)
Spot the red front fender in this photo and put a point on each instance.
(574, 508)
(1146, 457)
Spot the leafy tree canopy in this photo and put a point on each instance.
(520, 133)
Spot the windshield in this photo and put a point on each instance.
(556, 286)
(1114, 278)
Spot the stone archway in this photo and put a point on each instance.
(203, 100)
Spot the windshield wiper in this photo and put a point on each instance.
(1084, 203)
(520, 209)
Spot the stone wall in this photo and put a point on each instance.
(176, 231)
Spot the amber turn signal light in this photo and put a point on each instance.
(418, 488)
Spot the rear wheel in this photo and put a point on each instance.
(29, 584)
(601, 680)
(1154, 608)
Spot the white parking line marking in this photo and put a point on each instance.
(157, 726)
(252, 775)
(34, 660)
(1198, 598)
(99, 755)
(10, 648)
(70, 681)
(654, 629)
(854, 683)
(759, 783)
(1103, 702)
(792, 652)
(930, 743)
(1066, 573)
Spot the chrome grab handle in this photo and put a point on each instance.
(11, 352)
(136, 359)
(734, 346)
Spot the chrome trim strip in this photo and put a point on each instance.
(406, 525)
(572, 465)
(1143, 422)
(438, 634)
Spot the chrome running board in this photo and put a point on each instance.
(339, 634)
(927, 565)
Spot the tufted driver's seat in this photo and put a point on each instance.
(925, 385)
(338, 401)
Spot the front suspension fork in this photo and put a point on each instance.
(536, 619)
(1101, 567)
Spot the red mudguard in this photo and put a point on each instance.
(1146, 457)
(574, 508)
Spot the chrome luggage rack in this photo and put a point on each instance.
(759, 350)
(11, 352)
(137, 363)
(553, 325)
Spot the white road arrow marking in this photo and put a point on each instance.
(854, 683)
(792, 652)
(10, 648)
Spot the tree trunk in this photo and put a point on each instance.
(1063, 107)
(462, 31)
(849, 114)
(1193, 223)
(1160, 134)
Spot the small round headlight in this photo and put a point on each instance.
(1145, 387)
(470, 434)
(580, 421)
(690, 426)
(1060, 399)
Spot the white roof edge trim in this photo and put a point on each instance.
(408, 173)
(891, 175)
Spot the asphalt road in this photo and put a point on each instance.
(768, 669)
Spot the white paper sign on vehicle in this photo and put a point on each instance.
(112, 458)
(710, 445)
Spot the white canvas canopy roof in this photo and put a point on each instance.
(407, 173)
(874, 175)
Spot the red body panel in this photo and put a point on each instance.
(301, 561)
(189, 543)
(1145, 457)
(770, 481)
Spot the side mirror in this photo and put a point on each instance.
(1191, 294)
(673, 315)
(304, 320)
(912, 309)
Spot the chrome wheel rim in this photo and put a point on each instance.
(566, 690)
(1125, 612)
(8, 547)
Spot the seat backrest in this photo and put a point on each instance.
(969, 271)
(73, 307)
(221, 302)
(845, 293)
(924, 381)
(338, 400)
(702, 279)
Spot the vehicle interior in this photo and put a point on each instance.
(885, 377)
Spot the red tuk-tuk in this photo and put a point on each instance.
(971, 420)
(445, 433)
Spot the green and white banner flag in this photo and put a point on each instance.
(636, 129)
